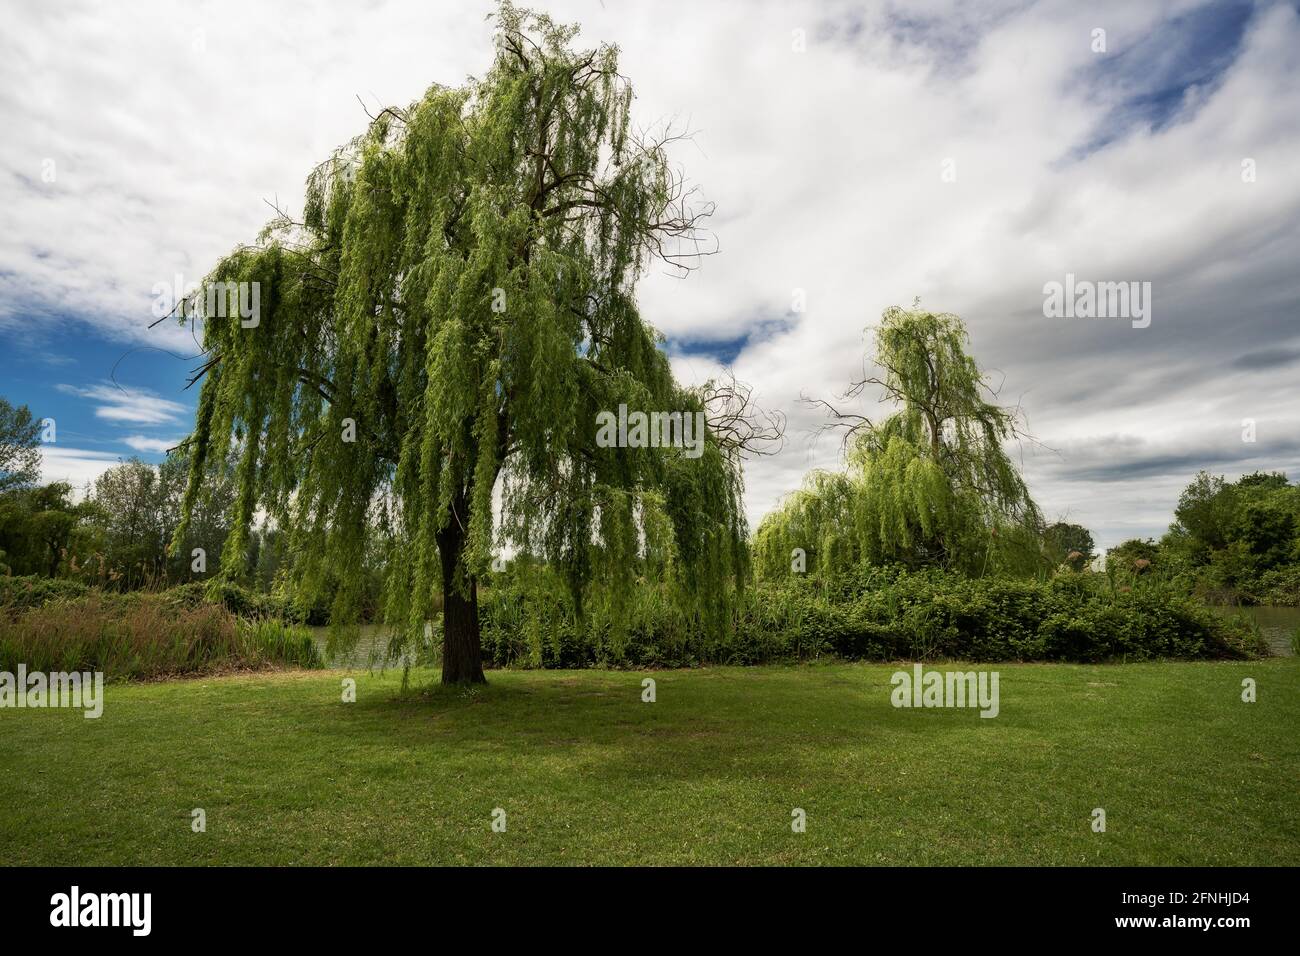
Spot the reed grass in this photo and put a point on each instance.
(142, 636)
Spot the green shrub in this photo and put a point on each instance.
(868, 614)
(1280, 586)
(29, 591)
(238, 600)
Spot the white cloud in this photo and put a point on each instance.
(126, 404)
(825, 166)
(77, 466)
(157, 445)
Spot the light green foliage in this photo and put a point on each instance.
(931, 484)
(937, 486)
(819, 520)
(461, 288)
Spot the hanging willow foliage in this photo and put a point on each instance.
(812, 532)
(458, 298)
(931, 484)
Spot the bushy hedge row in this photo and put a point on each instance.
(878, 614)
(1069, 618)
(529, 620)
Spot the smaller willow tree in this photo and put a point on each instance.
(930, 484)
(813, 531)
(437, 335)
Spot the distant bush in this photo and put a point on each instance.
(1280, 586)
(532, 625)
(869, 613)
(1233, 543)
(141, 635)
(238, 600)
(929, 615)
(29, 591)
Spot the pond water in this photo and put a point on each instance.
(1276, 623)
(370, 651)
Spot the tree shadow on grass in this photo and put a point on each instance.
(596, 725)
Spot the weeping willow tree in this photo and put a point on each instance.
(813, 531)
(937, 486)
(931, 483)
(440, 329)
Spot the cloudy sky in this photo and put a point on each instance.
(860, 155)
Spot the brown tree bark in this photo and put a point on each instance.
(462, 653)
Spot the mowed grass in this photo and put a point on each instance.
(708, 774)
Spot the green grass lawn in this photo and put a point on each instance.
(1186, 772)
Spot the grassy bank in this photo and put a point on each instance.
(708, 774)
(144, 635)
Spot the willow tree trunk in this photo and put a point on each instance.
(462, 654)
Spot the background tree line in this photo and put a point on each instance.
(1230, 542)
(117, 532)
